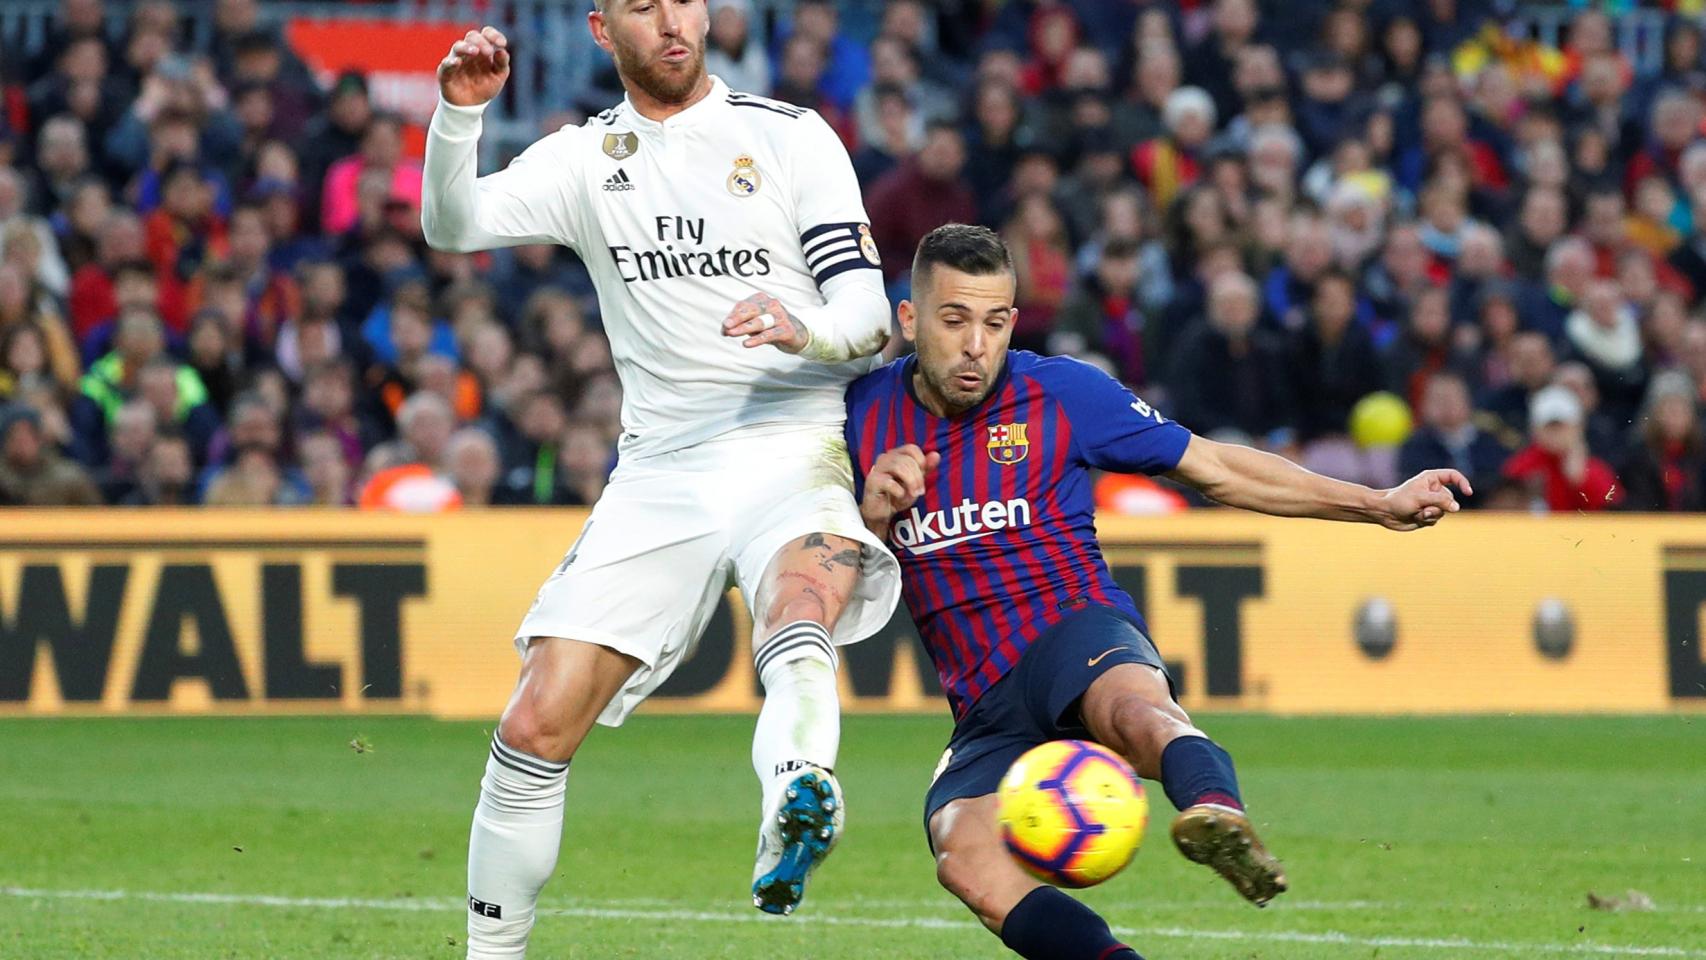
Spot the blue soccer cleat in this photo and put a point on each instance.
(795, 838)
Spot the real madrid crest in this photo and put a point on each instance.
(621, 146)
(745, 180)
(868, 246)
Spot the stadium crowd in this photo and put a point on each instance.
(213, 287)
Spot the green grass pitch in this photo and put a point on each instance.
(196, 839)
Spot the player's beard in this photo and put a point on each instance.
(957, 398)
(662, 81)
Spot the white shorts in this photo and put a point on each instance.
(672, 530)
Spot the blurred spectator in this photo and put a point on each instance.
(1449, 437)
(1607, 435)
(261, 64)
(1548, 304)
(1426, 345)
(24, 304)
(895, 67)
(1332, 360)
(1171, 161)
(1042, 257)
(32, 473)
(424, 425)
(474, 467)
(585, 462)
(138, 342)
(166, 476)
(333, 135)
(918, 196)
(381, 157)
(732, 52)
(531, 472)
(897, 134)
(1227, 374)
(1664, 469)
(847, 63)
(1556, 468)
(1212, 62)
(1603, 334)
(133, 433)
(1102, 316)
(325, 470)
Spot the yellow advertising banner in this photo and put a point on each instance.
(235, 611)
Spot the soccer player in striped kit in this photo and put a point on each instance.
(973, 462)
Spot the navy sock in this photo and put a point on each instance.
(1195, 770)
(1049, 925)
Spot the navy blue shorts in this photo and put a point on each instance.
(1037, 701)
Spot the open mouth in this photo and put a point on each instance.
(968, 381)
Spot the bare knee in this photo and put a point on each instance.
(965, 878)
(563, 687)
(794, 605)
(973, 864)
(538, 728)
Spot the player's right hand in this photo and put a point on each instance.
(1423, 500)
(475, 69)
(895, 482)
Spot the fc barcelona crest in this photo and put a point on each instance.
(1007, 443)
(621, 146)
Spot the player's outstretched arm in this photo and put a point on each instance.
(1243, 477)
(895, 483)
(459, 211)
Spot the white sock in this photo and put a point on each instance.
(800, 723)
(512, 849)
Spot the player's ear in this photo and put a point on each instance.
(600, 29)
(908, 316)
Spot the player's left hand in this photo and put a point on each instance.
(1423, 500)
(762, 319)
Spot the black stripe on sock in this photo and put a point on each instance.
(809, 640)
(521, 769)
(793, 631)
(543, 766)
(763, 663)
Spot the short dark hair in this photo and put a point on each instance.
(976, 250)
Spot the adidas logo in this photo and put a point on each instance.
(618, 183)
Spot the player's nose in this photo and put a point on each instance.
(976, 344)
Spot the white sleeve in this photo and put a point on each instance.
(530, 201)
(835, 235)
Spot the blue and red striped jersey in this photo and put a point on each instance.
(1003, 542)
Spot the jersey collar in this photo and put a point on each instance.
(696, 114)
(910, 362)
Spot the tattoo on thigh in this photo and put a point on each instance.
(811, 586)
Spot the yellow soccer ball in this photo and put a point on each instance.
(1380, 419)
(1072, 813)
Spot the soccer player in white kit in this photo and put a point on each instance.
(739, 287)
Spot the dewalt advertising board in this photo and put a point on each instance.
(279, 611)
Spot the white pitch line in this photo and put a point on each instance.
(446, 905)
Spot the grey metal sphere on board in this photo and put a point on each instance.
(1376, 627)
(1554, 628)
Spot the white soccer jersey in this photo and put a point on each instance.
(677, 221)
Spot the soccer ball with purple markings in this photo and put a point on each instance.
(1072, 813)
